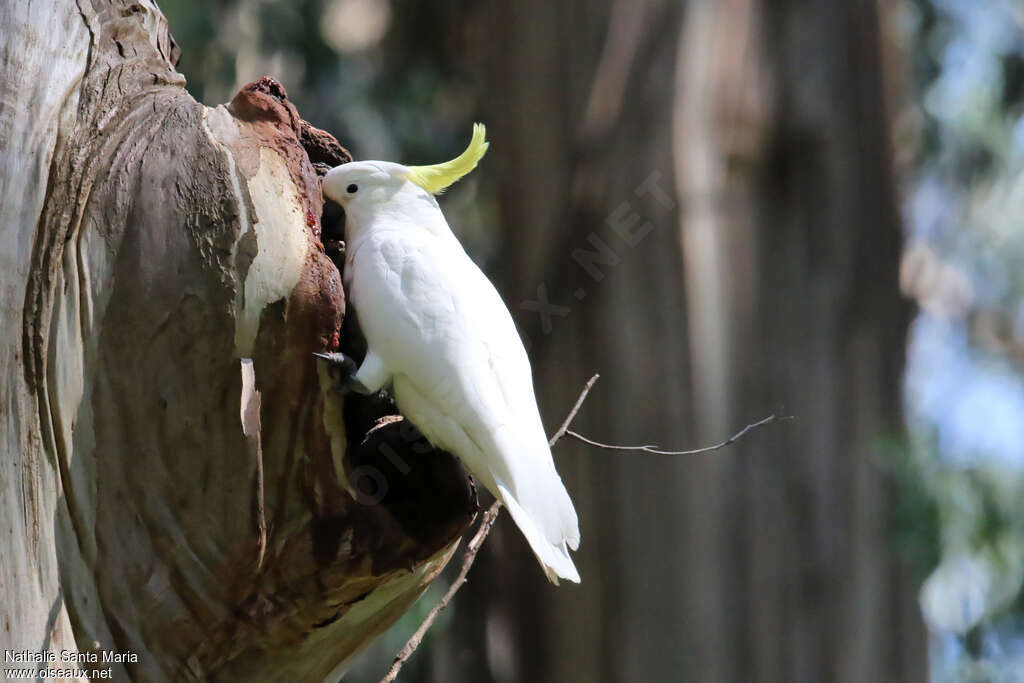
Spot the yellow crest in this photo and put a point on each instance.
(435, 179)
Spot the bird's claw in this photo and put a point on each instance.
(344, 363)
(347, 369)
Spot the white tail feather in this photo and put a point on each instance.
(553, 557)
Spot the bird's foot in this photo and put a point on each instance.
(345, 369)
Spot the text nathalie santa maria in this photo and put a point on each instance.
(70, 656)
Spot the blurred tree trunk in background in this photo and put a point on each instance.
(792, 240)
(766, 282)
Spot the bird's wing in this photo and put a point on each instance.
(433, 316)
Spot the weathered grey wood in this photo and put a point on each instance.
(161, 495)
(39, 89)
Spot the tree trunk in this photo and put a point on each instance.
(792, 240)
(834, 599)
(178, 480)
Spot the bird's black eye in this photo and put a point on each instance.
(352, 189)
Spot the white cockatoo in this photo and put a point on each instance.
(440, 335)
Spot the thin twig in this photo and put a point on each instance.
(472, 548)
(564, 429)
(696, 451)
(467, 561)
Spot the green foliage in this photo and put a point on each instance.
(916, 522)
(964, 468)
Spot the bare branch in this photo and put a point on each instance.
(472, 548)
(474, 545)
(572, 413)
(696, 451)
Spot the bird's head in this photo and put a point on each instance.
(363, 188)
(364, 184)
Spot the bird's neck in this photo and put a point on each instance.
(406, 210)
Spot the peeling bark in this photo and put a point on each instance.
(155, 500)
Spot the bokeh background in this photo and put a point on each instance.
(727, 208)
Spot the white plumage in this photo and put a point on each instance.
(440, 334)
